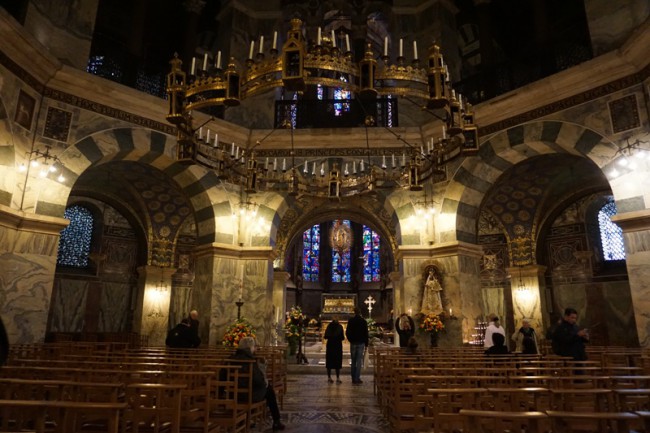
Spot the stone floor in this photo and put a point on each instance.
(312, 405)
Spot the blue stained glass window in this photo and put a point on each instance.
(611, 235)
(74, 245)
(340, 108)
(310, 253)
(341, 264)
(371, 243)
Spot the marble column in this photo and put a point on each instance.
(528, 295)
(152, 309)
(225, 273)
(280, 279)
(636, 232)
(28, 251)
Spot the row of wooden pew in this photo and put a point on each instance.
(454, 390)
(59, 389)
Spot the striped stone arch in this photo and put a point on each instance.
(498, 153)
(153, 148)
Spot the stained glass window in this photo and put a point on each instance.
(74, 245)
(341, 263)
(310, 253)
(340, 108)
(611, 235)
(370, 255)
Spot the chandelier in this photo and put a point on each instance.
(326, 62)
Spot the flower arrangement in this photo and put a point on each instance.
(374, 330)
(295, 323)
(236, 331)
(432, 323)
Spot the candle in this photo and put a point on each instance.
(403, 159)
(322, 169)
(205, 61)
(193, 68)
(319, 36)
(275, 164)
(410, 311)
(306, 169)
(261, 44)
(333, 39)
(415, 50)
(383, 161)
(250, 52)
(237, 152)
(313, 169)
(346, 172)
(393, 160)
(275, 40)
(266, 163)
(450, 312)
(207, 136)
(354, 167)
(444, 132)
(284, 164)
(361, 165)
(232, 148)
(219, 59)
(216, 140)
(200, 133)
(347, 42)
(401, 47)
(385, 46)
(421, 150)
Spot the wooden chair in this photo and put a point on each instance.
(223, 412)
(152, 407)
(486, 421)
(584, 421)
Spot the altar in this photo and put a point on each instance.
(340, 306)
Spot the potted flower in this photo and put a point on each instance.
(294, 327)
(432, 323)
(239, 329)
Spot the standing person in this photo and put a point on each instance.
(334, 349)
(498, 345)
(181, 336)
(4, 344)
(405, 328)
(194, 325)
(568, 338)
(526, 339)
(493, 327)
(357, 335)
(261, 388)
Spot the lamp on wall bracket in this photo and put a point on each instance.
(628, 157)
(522, 289)
(47, 164)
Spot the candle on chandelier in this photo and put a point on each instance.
(232, 148)
(284, 164)
(275, 164)
(250, 52)
(275, 40)
(393, 160)
(201, 133)
(385, 46)
(218, 59)
(193, 68)
(322, 169)
(401, 47)
(306, 169)
(354, 167)
(361, 166)
(383, 161)
(207, 136)
(261, 44)
(237, 152)
(347, 42)
(319, 36)
(216, 140)
(415, 50)
(313, 169)
(444, 132)
(205, 61)
(333, 39)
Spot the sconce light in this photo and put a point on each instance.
(46, 161)
(522, 289)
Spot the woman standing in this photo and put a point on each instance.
(526, 339)
(334, 349)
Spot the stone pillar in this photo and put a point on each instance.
(223, 274)
(528, 296)
(636, 232)
(152, 309)
(280, 279)
(28, 251)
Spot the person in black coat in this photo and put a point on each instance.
(182, 336)
(261, 389)
(498, 345)
(569, 339)
(357, 334)
(405, 328)
(334, 349)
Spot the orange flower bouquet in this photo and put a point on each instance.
(432, 323)
(239, 329)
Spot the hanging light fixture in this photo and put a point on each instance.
(328, 62)
(628, 156)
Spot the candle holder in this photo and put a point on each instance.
(239, 305)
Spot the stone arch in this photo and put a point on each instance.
(476, 176)
(376, 214)
(8, 154)
(151, 148)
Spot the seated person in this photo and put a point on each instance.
(498, 346)
(182, 336)
(261, 390)
(412, 346)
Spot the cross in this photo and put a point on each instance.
(369, 302)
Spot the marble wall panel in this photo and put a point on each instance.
(69, 306)
(201, 298)
(638, 256)
(180, 303)
(115, 311)
(619, 311)
(25, 292)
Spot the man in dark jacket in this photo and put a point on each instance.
(181, 336)
(261, 389)
(357, 335)
(569, 339)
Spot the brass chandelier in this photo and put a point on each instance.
(325, 63)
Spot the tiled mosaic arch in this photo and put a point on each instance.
(151, 148)
(498, 153)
